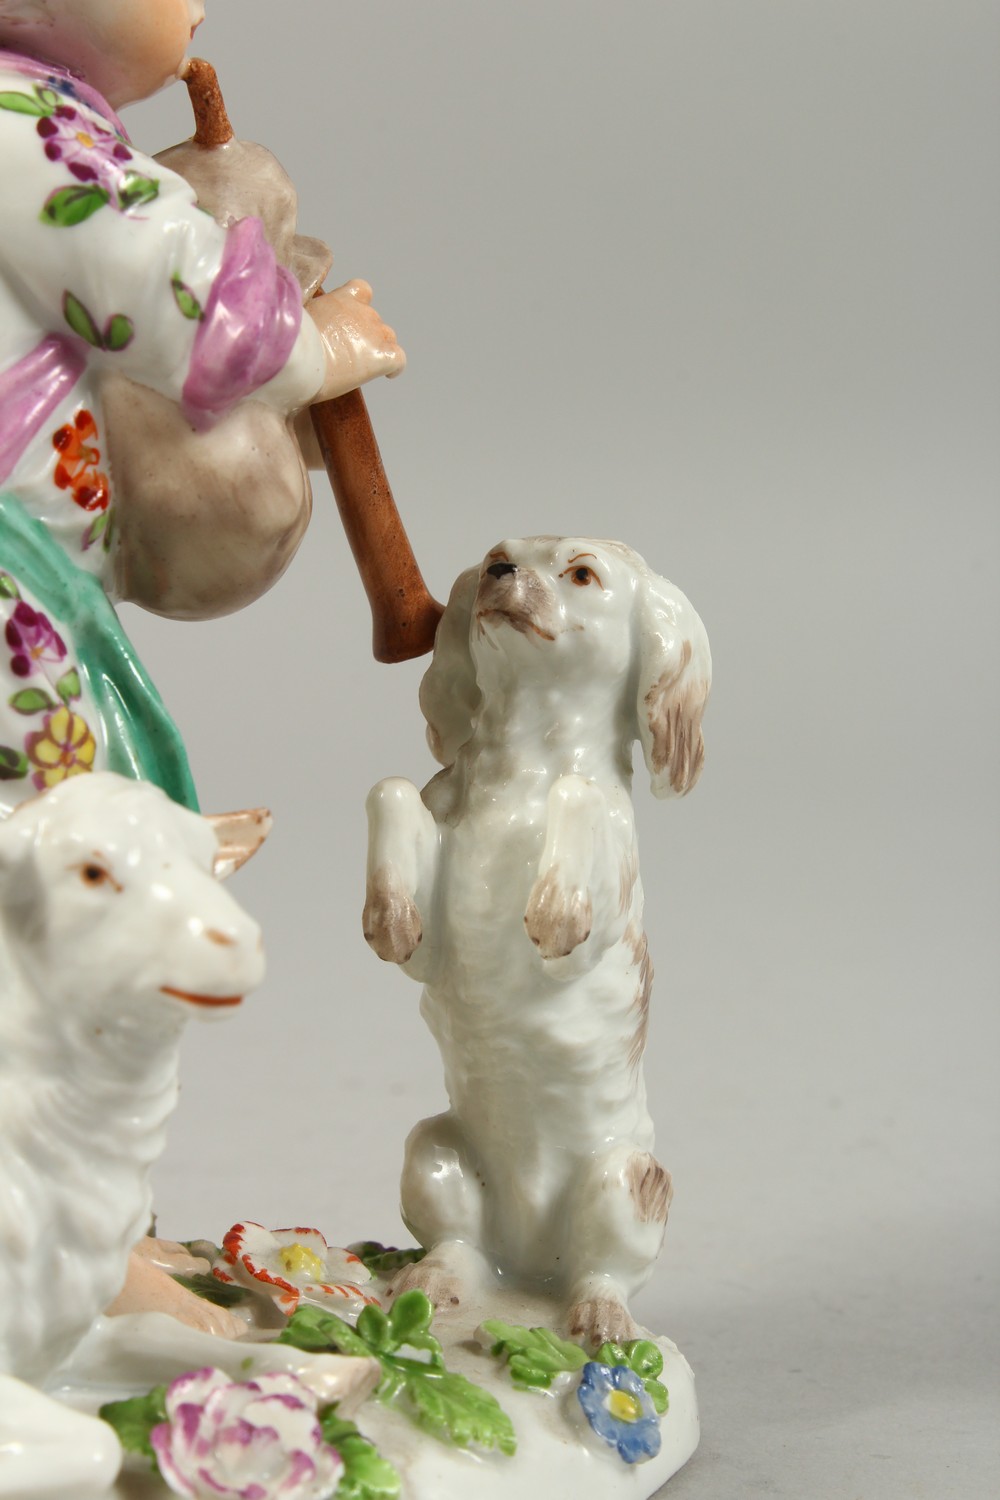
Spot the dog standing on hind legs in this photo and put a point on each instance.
(510, 889)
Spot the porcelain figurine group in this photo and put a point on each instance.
(163, 338)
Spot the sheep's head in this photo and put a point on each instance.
(111, 904)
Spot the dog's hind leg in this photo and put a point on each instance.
(442, 1203)
(618, 1222)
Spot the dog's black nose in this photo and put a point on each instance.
(499, 570)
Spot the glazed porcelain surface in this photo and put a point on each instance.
(114, 933)
(510, 888)
(162, 323)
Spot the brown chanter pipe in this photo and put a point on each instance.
(404, 615)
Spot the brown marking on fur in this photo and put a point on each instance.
(520, 622)
(391, 922)
(674, 718)
(640, 951)
(557, 920)
(520, 598)
(600, 1320)
(628, 874)
(651, 1187)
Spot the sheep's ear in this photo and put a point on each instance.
(239, 835)
(449, 695)
(675, 674)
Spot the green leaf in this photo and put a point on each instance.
(134, 1420)
(658, 1394)
(374, 1328)
(49, 98)
(31, 701)
(71, 205)
(612, 1354)
(382, 1260)
(24, 104)
(119, 331)
(108, 530)
(96, 529)
(8, 588)
(644, 1358)
(80, 320)
(318, 1331)
(367, 1476)
(136, 190)
(455, 1411)
(410, 1322)
(186, 299)
(13, 764)
(535, 1355)
(68, 686)
(222, 1293)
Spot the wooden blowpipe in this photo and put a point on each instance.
(404, 615)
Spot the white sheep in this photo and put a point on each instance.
(113, 933)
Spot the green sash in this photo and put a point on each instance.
(142, 739)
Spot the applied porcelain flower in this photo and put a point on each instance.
(256, 1440)
(294, 1266)
(616, 1405)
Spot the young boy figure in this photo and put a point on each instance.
(108, 270)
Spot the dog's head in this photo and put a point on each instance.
(583, 613)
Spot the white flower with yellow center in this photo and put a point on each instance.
(295, 1267)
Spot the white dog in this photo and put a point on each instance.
(510, 888)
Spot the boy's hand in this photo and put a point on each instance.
(359, 346)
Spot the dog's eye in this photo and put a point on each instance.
(581, 575)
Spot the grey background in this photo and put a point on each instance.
(717, 278)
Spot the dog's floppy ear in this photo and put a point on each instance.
(675, 674)
(449, 696)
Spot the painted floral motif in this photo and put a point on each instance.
(294, 1267)
(79, 456)
(619, 1410)
(257, 1440)
(63, 747)
(33, 640)
(92, 152)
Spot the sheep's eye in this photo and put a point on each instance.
(581, 575)
(94, 875)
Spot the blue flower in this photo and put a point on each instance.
(617, 1407)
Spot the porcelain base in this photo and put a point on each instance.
(555, 1457)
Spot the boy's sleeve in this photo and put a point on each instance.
(110, 250)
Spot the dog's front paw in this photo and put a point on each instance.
(391, 921)
(558, 919)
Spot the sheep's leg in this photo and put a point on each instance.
(49, 1451)
(618, 1220)
(402, 865)
(573, 915)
